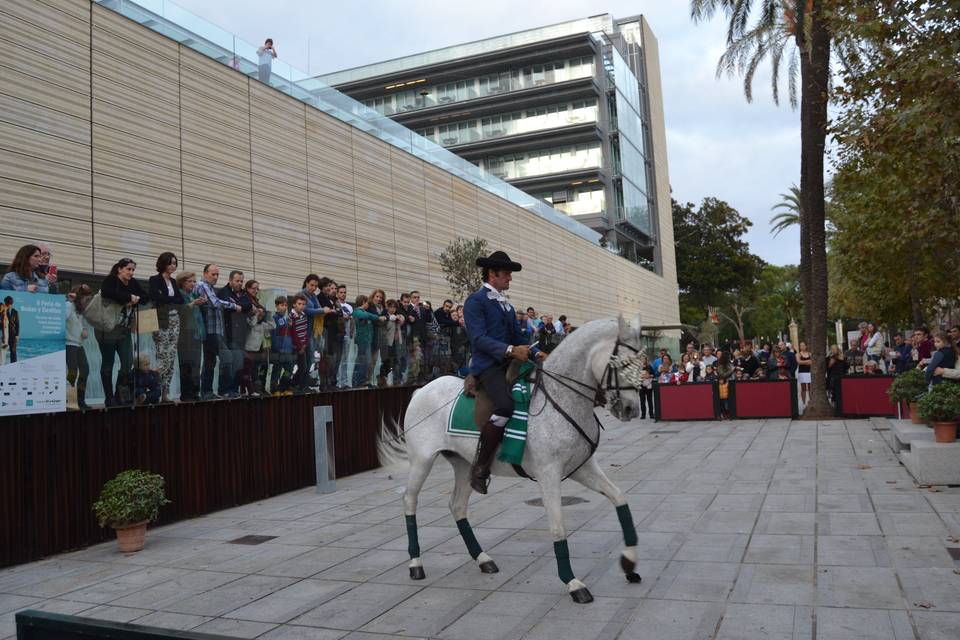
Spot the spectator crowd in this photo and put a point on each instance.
(225, 341)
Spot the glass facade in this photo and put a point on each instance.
(629, 157)
(514, 123)
(424, 95)
(576, 201)
(544, 161)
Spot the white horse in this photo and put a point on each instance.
(598, 360)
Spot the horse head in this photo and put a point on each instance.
(621, 378)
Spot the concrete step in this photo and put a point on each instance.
(933, 462)
(905, 432)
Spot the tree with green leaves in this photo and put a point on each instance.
(896, 190)
(714, 263)
(459, 264)
(779, 25)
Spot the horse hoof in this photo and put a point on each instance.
(417, 573)
(633, 578)
(489, 567)
(581, 596)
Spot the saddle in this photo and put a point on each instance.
(483, 407)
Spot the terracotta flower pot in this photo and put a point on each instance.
(944, 431)
(131, 537)
(915, 414)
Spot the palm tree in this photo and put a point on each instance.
(790, 214)
(800, 26)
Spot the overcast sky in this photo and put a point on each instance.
(718, 144)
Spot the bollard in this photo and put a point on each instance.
(323, 449)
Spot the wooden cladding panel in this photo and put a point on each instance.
(198, 251)
(70, 237)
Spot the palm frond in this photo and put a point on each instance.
(782, 221)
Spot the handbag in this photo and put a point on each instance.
(103, 314)
(148, 321)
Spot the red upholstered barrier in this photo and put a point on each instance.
(686, 402)
(764, 399)
(866, 396)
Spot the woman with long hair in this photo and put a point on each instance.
(23, 273)
(647, 376)
(375, 305)
(120, 287)
(78, 369)
(836, 369)
(363, 330)
(167, 299)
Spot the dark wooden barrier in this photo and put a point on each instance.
(688, 401)
(214, 455)
(763, 399)
(43, 625)
(863, 396)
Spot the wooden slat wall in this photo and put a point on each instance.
(215, 139)
(191, 156)
(45, 129)
(136, 144)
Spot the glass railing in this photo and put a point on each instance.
(167, 354)
(476, 130)
(580, 207)
(426, 96)
(545, 163)
(167, 18)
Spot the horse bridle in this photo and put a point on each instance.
(611, 375)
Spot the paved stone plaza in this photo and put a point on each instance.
(750, 529)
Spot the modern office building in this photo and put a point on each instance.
(571, 113)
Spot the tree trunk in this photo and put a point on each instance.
(814, 75)
(916, 308)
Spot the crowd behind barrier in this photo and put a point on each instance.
(186, 336)
(195, 336)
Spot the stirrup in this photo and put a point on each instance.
(479, 483)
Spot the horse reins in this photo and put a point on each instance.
(611, 374)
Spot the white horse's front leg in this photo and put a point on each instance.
(592, 476)
(549, 482)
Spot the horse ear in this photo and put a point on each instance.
(638, 324)
(622, 324)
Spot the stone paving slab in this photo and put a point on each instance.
(770, 529)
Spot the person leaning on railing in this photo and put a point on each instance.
(191, 337)
(167, 299)
(121, 287)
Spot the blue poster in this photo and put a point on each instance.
(33, 353)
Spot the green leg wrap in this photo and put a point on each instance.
(562, 551)
(413, 543)
(466, 532)
(626, 523)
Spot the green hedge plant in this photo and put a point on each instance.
(941, 404)
(907, 386)
(131, 497)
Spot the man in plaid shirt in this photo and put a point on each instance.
(214, 345)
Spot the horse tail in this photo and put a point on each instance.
(391, 443)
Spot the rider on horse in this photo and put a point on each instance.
(495, 338)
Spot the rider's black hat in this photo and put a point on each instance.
(499, 260)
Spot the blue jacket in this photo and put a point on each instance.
(490, 329)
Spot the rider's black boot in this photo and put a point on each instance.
(490, 436)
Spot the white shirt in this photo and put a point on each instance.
(558, 327)
(493, 294)
(265, 56)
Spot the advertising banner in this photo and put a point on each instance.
(33, 357)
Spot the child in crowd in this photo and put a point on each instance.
(709, 374)
(665, 377)
(281, 350)
(147, 382)
(298, 322)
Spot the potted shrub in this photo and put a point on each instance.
(907, 387)
(127, 503)
(941, 406)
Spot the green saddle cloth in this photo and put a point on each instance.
(461, 422)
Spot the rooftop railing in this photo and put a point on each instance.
(174, 22)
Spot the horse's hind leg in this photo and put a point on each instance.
(549, 482)
(419, 470)
(592, 476)
(458, 507)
